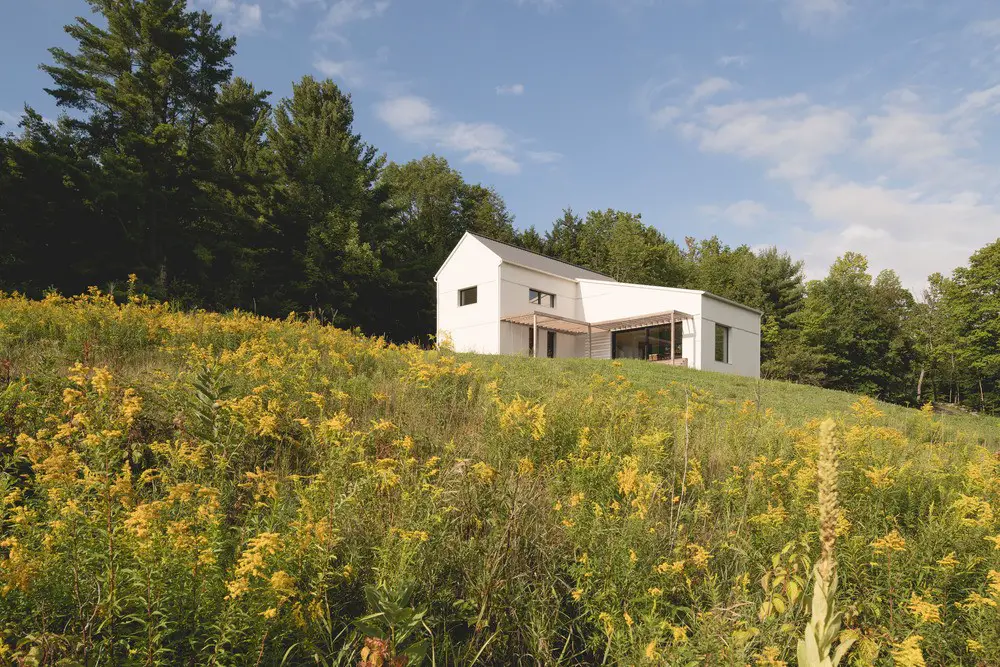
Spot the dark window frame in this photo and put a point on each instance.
(538, 297)
(722, 351)
(463, 301)
(550, 345)
(678, 339)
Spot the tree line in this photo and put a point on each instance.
(166, 165)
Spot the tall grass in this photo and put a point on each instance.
(196, 488)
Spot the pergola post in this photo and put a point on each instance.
(534, 332)
(672, 338)
(590, 343)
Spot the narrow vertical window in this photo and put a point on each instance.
(468, 296)
(550, 351)
(722, 344)
(531, 341)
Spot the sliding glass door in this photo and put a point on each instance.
(640, 343)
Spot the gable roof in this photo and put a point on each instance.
(533, 260)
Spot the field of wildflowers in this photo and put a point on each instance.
(197, 488)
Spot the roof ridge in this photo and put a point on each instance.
(554, 259)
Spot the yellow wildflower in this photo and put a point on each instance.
(948, 561)
(881, 478)
(924, 611)
(484, 472)
(893, 541)
(525, 467)
(907, 653)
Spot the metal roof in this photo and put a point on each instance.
(533, 260)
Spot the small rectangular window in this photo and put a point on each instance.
(541, 298)
(531, 342)
(722, 344)
(468, 296)
(550, 351)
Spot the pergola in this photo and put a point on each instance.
(568, 325)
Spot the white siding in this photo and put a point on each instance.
(610, 301)
(515, 281)
(502, 291)
(744, 338)
(472, 328)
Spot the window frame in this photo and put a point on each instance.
(550, 344)
(539, 298)
(474, 289)
(723, 351)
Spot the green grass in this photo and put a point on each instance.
(189, 488)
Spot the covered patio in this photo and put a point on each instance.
(537, 319)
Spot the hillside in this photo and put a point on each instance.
(192, 488)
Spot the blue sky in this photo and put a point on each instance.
(819, 126)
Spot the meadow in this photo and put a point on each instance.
(191, 488)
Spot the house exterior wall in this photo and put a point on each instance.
(502, 291)
(744, 337)
(603, 301)
(515, 281)
(473, 328)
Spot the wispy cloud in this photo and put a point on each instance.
(241, 18)
(745, 212)
(733, 61)
(709, 88)
(900, 182)
(544, 157)
(343, 12)
(985, 27)
(351, 71)
(511, 89)
(815, 14)
(9, 121)
(415, 119)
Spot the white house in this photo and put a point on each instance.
(495, 298)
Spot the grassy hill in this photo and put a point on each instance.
(195, 488)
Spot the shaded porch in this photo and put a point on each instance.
(660, 347)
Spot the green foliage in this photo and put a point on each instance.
(238, 490)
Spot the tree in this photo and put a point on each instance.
(433, 207)
(145, 88)
(859, 328)
(329, 215)
(973, 301)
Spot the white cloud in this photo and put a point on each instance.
(350, 71)
(899, 183)
(416, 120)
(343, 12)
(541, 5)
(239, 17)
(710, 88)
(511, 89)
(814, 14)
(790, 133)
(745, 212)
(9, 121)
(544, 157)
(738, 61)
(986, 28)
(409, 115)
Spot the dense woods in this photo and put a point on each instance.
(167, 166)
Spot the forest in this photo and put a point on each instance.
(168, 166)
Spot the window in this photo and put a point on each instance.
(541, 298)
(642, 343)
(721, 344)
(468, 296)
(550, 340)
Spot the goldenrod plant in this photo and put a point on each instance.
(816, 646)
(185, 487)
